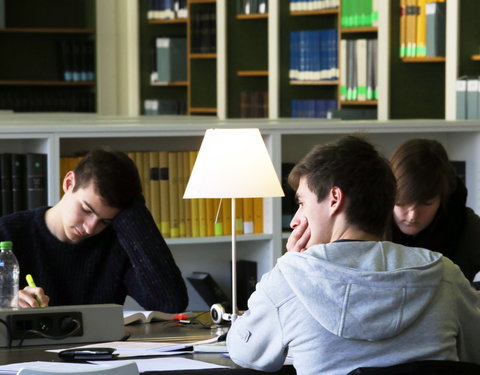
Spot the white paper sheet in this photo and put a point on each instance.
(13, 368)
(167, 364)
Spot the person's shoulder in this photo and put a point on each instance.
(23, 216)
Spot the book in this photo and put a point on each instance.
(18, 182)
(472, 98)
(257, 215)
(140, 316)
(173, 194)
(145, 176)
(155, 187)
(248, 226)
(182, 184)
(435, 13)
(6, 183)
(164, 194)
(246, 282)
(171, 59)
(461, 97)
(208, 288)
(36, 167)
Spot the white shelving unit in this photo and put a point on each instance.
(287, 140)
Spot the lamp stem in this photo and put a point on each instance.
(234, 263)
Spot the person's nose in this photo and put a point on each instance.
(90, 223)
(412, 213)
(295, 222)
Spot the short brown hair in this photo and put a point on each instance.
(114, 175)
(423, 172)
(365, 177)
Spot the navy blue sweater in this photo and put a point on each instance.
(129, 257)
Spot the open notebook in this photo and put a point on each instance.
(140, 316)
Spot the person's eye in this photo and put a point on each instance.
(428, 203)
(86, 210)
(106, 222)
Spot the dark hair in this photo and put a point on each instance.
(364, 176)
(423, 172)
(114, 174)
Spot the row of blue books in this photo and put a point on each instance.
(306, 5)
(312, 108)
(314, 55)
(166, 9)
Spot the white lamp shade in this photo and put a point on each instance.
(233, 163)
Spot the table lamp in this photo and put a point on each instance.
(233, 163)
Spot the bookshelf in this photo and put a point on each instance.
(247, 63)
(50, 63)
(286, 142)
(296, 28)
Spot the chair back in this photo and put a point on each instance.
(426, 367)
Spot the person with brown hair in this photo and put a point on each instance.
(98, 244)
(342, 297)
(430, 209)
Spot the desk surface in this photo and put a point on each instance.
(158, 331)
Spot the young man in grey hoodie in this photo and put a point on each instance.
(341, 298)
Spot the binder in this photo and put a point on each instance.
(461, 97)
(435, 12)
(6, 183)
(472, 98)
(36, 166)
(18, 182)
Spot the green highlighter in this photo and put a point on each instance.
(31, 283)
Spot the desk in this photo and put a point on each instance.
(152, 331)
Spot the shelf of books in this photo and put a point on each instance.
(247, 59)
(163, 58)
(50, 64)
(309, 74)
(359, 59)
(418, 70)
(202, 58)
(467, 80)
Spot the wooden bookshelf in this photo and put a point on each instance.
(204, 110)
(203, 55)
(357, 30)
(167, 22)
(47, 83)
(255, 16)
(252, 73)
(359, 102)
(41, 30)
(201, 1)
(315, 83)
(316, 12)
(437, 59)
(170, 84)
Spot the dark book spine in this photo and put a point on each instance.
(6, 183)
(18, 182)
(36, 166)
(246, 282)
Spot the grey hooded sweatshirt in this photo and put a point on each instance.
(343, 305)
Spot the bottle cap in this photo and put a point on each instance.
(6, 245)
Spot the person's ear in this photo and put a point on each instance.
(69, 182)
(337, 199)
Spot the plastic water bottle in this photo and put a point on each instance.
(9, 276)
